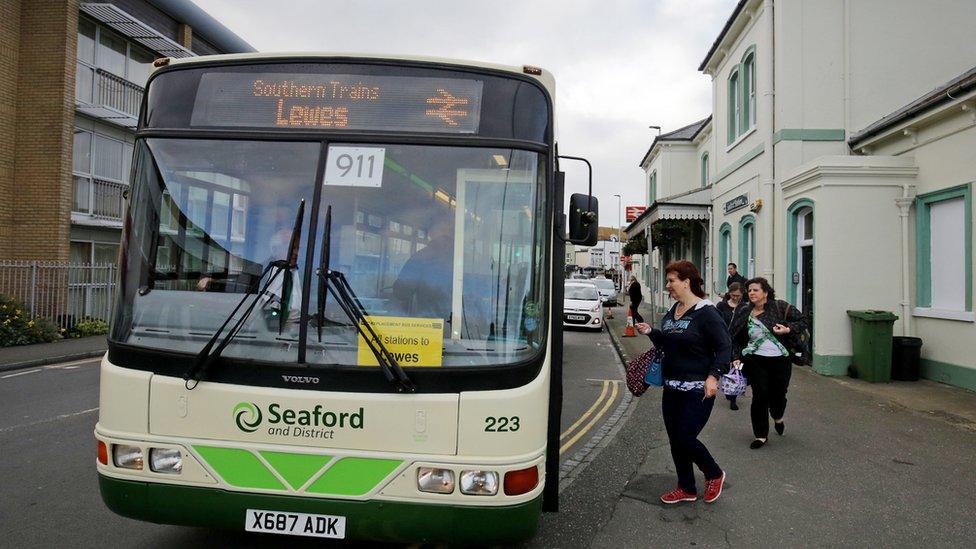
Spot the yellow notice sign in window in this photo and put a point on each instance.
(411, 341)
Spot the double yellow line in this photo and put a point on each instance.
(611, 387)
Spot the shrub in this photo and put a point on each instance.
(88, 326)
(17, 328)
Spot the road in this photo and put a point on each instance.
(50, 490)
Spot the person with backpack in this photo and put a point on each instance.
(697, 350)
(730, 308)
(762, 339)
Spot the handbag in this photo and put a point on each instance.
(638, 370)
(654, 374)
(797, 343)
(733, 383)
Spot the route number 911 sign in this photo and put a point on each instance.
(355, 167)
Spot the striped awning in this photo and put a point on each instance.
(692, 205)
(114, 17)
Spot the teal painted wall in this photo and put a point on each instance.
(950, 374)
(831, 365)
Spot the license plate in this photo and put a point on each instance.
(295, 524)
(576, 317)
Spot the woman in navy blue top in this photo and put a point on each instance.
(697, 350)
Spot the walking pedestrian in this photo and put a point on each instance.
(734, 276)
(760, 342)
(697, 350)
(636, 296)
(729, 308)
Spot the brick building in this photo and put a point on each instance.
(71, 81)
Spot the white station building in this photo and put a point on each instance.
(839, 164)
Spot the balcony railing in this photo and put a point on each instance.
(99, 198)
(109, 97)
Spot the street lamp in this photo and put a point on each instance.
(620, 237)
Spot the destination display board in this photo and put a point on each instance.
(337, 102)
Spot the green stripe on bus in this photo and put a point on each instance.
(296, 469)
(239, 468)
(353, 476)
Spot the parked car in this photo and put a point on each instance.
(582, 306)
(608, 291)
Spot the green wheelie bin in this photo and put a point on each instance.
(871, 334)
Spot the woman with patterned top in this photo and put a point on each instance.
(761, 339)
(697, 350)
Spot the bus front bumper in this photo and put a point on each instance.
(365, 520)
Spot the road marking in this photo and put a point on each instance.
(586, 414)
(578, 435)
(49, 420)
(25, 372)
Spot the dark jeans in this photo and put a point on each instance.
(685, 415)
(633, 312)
(770, 378)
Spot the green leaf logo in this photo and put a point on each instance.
(247, 415)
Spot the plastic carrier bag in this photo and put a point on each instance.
(733, 383)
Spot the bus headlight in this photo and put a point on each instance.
(436, 481)
(127, 457)
(479, 483)
(166, 460)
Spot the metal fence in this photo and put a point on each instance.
(117, 93)
(61, 292)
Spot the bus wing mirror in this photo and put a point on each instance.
(583, 219)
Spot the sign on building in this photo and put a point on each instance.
(737, 203)
(633, 212)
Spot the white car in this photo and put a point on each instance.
(582, 306)
(607, 289)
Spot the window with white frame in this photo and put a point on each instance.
(724, 253)
(749, 249)
(749, 96)
(747, 246)
(734, 104)
(944, 247)
(100, 165)
(652, 187)
(704, 170)
(742, 96)
(102, 48)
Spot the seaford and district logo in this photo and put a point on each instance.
(248, 416)
(316, 422)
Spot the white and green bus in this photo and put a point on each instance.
(340, 300)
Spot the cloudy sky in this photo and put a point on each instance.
(620, 65)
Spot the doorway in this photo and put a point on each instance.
(803, 276)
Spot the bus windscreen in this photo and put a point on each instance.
(337, 101)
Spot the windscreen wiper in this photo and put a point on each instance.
(354, 310)
(208, 355)
(324, 268)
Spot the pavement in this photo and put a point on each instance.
(860, 464)
(41, 354)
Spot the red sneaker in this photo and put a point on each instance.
(678, 495)
(713, 488)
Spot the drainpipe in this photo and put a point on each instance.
(904, 203)
(768, 185)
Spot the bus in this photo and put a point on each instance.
(340, 300)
